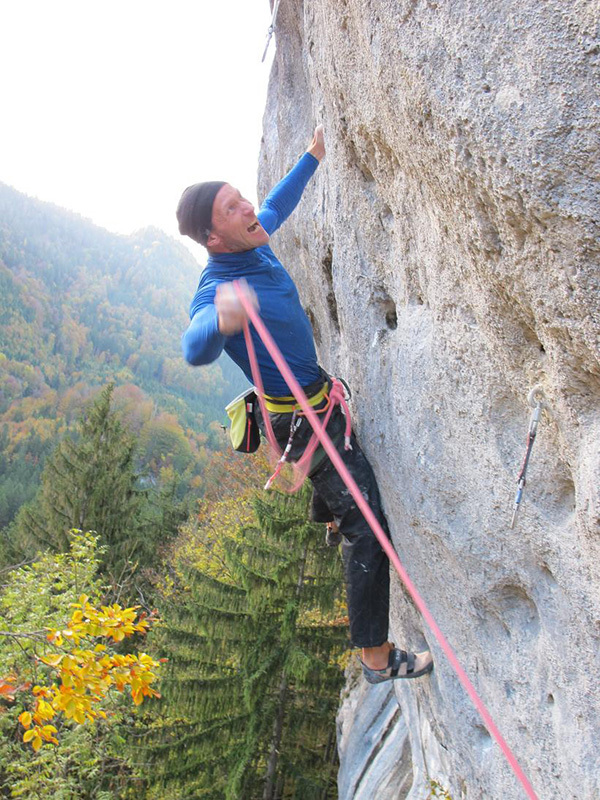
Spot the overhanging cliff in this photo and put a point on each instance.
(447, 254)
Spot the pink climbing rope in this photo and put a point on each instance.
(371, 519)
(302, 466)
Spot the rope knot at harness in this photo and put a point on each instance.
(336, 396)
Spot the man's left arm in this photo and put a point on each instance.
(284, 197)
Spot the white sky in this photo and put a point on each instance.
(111, 109)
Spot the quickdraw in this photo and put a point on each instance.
(271, 29)
(294, 425)
(535, 399)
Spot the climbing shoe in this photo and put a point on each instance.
(400, 665)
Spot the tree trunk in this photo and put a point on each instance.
(268, 793)
(276, 741)
(330, 758)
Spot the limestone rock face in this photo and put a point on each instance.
(447, 255)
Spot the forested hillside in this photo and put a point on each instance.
(121, 505)
(81, 307)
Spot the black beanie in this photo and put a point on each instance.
(194, 212)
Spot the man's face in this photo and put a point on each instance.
(235, 227)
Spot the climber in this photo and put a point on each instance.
(216, 215)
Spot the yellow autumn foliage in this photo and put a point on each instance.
(86, 670)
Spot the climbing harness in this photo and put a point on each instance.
(303, 465)
(374, 524)
(536, 401)
(335, 396)
(271, 28)
(287, 405)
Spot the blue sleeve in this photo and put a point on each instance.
(283, 198)
(202, 343)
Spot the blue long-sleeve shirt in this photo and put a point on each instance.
(280, 306)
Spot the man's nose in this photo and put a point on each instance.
(248, 208)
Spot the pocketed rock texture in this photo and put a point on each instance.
(447, 254)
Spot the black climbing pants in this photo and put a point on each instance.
(366, 566)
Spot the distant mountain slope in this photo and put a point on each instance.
(79, 307)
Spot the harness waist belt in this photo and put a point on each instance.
(286, 405)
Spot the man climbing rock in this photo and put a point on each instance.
(215, 215)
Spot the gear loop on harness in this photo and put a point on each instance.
(295, 423)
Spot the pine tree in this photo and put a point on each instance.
(89, 483)
(254, 639)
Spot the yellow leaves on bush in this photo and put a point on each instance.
(87, 670)
(112, 622)
(40, 734)
(25, 719)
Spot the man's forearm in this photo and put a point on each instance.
(284, 197)
(202, 343)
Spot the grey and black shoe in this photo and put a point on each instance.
(400, 665)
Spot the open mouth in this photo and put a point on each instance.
(253, 228)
